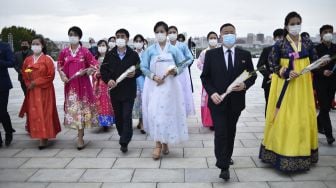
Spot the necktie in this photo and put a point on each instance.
(230, 64)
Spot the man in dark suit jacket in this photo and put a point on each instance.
(20, 56)
(263, 61)
(221, 67)
(117, 61)
(6, 61)
(325, 82)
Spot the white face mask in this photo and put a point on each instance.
(74, 40)
(102, 49)
(160, 37)
(294, 30)
(213, 42)
(112, 44)
(172, 36)
(328, 37)
(121, 43)
(36, 49)
(138, 45)
(93, 45)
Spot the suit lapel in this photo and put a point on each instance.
(237, 61)
(222, 59)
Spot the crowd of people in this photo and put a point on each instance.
(112, 83)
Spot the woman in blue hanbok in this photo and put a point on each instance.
(163, 107)
(184, 77)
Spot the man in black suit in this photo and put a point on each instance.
(325, 82)
(6, 61)
(263, 61)
(20, 56)
(221, 67)
(122, 94)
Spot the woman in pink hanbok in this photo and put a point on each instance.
(101, 92)
(75, 64)
(212, 38)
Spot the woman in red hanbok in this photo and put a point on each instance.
(40, 103)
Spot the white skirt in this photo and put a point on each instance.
(184, 79)
(164, 115)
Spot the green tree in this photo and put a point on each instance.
(22, 33)
(19, 34)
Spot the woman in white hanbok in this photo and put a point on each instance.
(184, 77)
(163, 106)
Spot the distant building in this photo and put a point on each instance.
(261, 38)
(250, 38)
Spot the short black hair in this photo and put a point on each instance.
(173, 27)
(42, 41)
(210, 33)
(226, 25)
(76, 30)
(161, 23)
(325, 27)
(113, 37)
(278, 33)
(181, 36)
(305, 35)
(139, 36)
(123, 31)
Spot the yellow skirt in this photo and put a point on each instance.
(290, 138)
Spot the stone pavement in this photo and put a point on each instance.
(190, 164)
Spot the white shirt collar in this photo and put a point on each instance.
(232, 49)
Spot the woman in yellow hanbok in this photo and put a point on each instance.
(290, 139)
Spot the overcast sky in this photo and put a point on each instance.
(101, 18)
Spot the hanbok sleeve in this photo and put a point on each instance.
(90, 60)
(25, 74)
(61, 60)
(145, 63)
(274, 58)
(200, 60)
(180, 61)
(188, 56)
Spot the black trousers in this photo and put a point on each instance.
(4, 116)
(325, 94)
(225, 131)
(266, 94)
(123, 114)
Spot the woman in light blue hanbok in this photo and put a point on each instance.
(184, 77)
(163, 107)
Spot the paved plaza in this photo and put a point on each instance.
(189, 165)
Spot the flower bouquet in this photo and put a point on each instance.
(241, 78)
(124, 74)
(316, 64)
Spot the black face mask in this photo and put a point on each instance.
(24, 48)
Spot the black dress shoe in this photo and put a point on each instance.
(123, 148)
(105, 129)
(231, 162)
(330, 140)
(8, 139)
(225, 174)
(143, 132)
(42, 147)
(212, 128)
